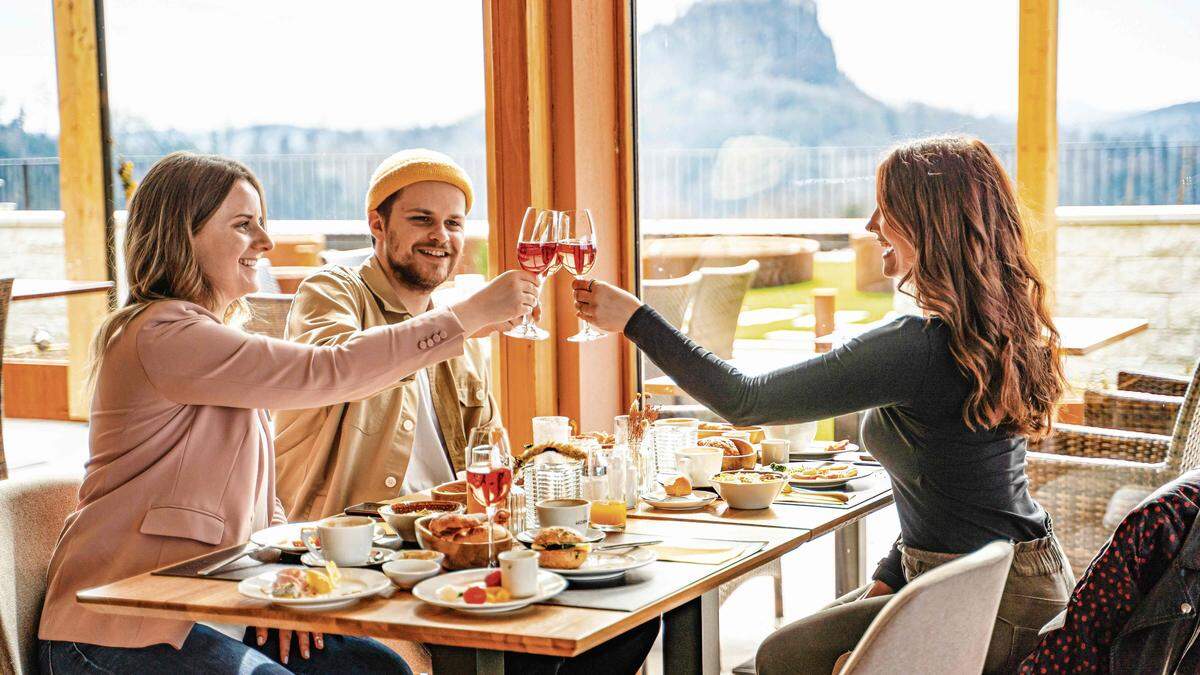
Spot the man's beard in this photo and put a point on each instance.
(408, 272)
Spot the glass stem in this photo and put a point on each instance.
(491, 510)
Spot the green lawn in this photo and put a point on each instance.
(826, 274)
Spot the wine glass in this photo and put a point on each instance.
(537, 252)
(577, 250)
(489, 478)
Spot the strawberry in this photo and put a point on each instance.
(492, 579)
(475, 595)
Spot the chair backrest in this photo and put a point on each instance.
(268, 313)
(267, 283)
(5, 298)
(349, 258)
(32, 511)
(941, 622)
(1184, 453)
(671, 297)
(716, 304)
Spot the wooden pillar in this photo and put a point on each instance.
(559, 126)
(518, 150)
(83, 178)
(1037, 131)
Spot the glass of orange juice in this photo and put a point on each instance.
(604, 488)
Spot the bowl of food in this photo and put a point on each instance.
(420, 554)
(737, 453)
(560, 548)
(710, 429)
(402, 516)
(757, 433)
(454, 491)
(462, 538)
(749, 489)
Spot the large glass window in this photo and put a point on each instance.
(30, 237)
(1129, 161)
(309, 98)
(760, 124)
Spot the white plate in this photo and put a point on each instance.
(281, 536)
(356, 584)
(591, 536)
(549, 585)
(816, 450)
(696, 500)
(378, 557)
(602, 565)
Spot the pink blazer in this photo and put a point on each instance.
(182, 460)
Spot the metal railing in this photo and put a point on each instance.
(816, 182)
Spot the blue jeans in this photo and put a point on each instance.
(207, 651)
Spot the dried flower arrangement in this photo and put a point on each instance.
(642, 415)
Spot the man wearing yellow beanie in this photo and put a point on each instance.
(412, 436)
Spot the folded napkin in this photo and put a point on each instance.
(697, 552)
(810, 498)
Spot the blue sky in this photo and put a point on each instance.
(199, 64)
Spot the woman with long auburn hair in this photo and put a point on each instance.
(952, 396)
(181, 456)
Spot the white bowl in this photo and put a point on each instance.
(420, 554)
(751, 495)
(404, 523)
(409, 573)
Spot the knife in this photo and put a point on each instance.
(613, 547)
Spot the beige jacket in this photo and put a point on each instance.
(347, 453)
(181, 461)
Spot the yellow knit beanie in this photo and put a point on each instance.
(413, 166)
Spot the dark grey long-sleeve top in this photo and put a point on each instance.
(956, 489)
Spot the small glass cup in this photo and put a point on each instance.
(551, 429)
(604, 487)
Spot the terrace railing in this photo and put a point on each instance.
(816, 182)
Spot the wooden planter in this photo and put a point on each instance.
(36, 388)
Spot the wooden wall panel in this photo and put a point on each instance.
(1037, 131)
(86, 232)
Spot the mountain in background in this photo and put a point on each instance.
(765, 67)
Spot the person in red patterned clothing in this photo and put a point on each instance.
(1134, 610)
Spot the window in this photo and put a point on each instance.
(760, 125)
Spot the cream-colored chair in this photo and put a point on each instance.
(32, 511)
(716, 305)
(671, 298)
(268, 313)
(941, 622)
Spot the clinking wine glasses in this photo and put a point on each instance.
(577, 249)
(537, 252)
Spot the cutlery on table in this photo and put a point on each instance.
(635, 544)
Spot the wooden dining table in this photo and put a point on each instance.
(40, 289)
(469, 643)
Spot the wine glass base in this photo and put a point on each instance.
(587, 335)
(528, 332)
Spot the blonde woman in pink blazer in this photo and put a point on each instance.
(182, 461)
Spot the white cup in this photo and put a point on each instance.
(776, 450)
(551, 429)
(519, 572)
(345, 540)
(699, 463)
(572, 513)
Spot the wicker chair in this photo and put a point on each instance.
(1146, 402)
(1089, 478)
(712, 319)
(1151, 383)
(670, 298)
(5, 298)
(268, 313)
